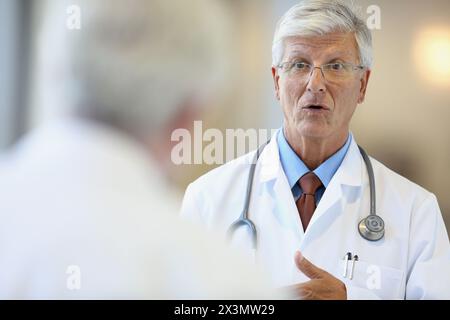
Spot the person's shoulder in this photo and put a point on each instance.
(398, 183)
(227, 172)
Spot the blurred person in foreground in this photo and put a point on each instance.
(86, 211)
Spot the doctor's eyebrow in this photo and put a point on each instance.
(334, 60)
(299, 56)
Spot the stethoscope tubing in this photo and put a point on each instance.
(364, 229)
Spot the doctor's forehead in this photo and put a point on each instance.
(336, 45)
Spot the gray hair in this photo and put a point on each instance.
(132, 63)
(320, 17)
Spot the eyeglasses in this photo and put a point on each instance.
(336, 71)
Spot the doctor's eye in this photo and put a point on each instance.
(336, 66)
(300, 66)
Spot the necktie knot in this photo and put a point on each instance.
(310, 183)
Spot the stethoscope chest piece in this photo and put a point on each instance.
(371, 227)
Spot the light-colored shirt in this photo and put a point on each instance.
(295, 168)
(87, 214)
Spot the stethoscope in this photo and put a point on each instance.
(370, 228)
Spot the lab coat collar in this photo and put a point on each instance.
(270, 160)
(348, 176)
(349, 173)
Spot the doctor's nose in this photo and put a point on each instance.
(316, 82)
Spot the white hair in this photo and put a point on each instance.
(132, 63)
(319, 17)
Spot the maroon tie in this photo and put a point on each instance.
(306, 204)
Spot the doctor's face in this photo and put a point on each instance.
(319, 105)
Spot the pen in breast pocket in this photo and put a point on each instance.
(355, 258)
(348, 256)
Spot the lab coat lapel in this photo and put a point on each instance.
(346, 179)
(275, 184)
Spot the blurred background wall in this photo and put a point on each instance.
(404, 121)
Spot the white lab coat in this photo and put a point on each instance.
(85, 214)
(412, 261)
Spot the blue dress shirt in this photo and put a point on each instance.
(295, 168)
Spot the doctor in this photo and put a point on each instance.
(311, 184)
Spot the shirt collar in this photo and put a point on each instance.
(295, 168)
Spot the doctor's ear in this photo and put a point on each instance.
(276, 78)
(363, 85)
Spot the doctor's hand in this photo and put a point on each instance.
(322, 286)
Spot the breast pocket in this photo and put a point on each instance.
(384, 282)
